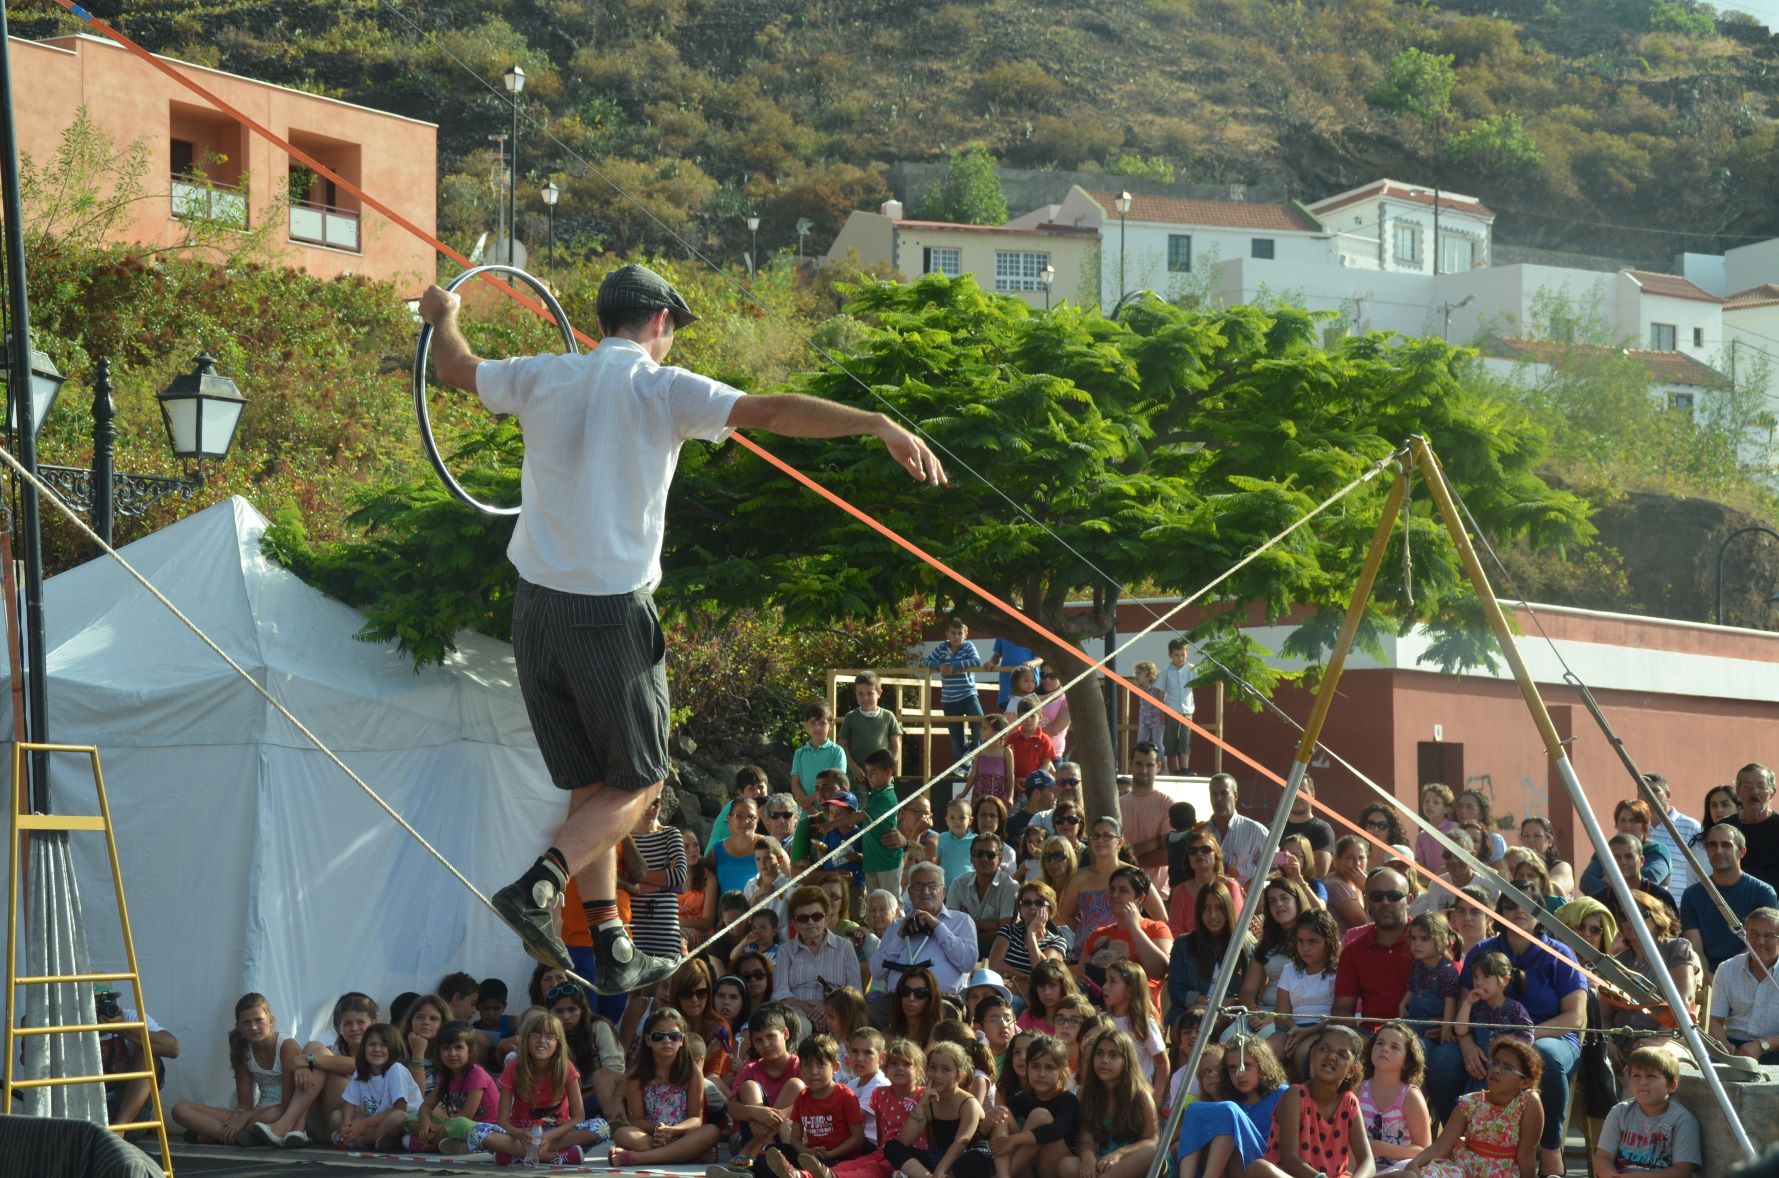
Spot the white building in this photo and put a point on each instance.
(1389, 225)
(1676, 380)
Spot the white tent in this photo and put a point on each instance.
(251, 862)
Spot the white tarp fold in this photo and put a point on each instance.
(250, 861)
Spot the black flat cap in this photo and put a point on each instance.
(638, 288)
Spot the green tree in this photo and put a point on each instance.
(1417, 83)
(970, 193)
(1498, 146)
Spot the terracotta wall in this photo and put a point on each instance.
(394, 158)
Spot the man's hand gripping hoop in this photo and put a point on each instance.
(423, 356)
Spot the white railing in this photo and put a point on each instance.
(195, 200)
(324, 225)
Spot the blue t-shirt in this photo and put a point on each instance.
(811, 759)
(1548, 980)
(733, 871)
(1011, 655)
(1698, 912)
(954, 855)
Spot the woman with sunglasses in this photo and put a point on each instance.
(691, 991)
(815, 961)
(915, 1008)
(1059, 861)
(593, 1049)
(1204, 855)
(1027, 939)
(1085, 906)
(1068, 823)
(1380, 822)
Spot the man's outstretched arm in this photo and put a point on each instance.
(798, 416)
(451, 356)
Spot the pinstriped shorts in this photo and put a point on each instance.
(593, 672)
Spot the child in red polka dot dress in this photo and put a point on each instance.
(1319, 1124)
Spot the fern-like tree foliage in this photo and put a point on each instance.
(1087, 456)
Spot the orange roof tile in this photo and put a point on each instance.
(1663, 367)
(1226, 214)
(1672, 286)
(1413, 193)
(1765, 295)
(1048, 228)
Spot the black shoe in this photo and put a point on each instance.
(525, 905)
(625, 969)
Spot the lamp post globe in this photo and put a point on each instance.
(45, 383)
(552, 194)
(515, 83)
(202, 410)
(1122, 204)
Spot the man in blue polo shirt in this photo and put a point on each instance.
(1705, 926)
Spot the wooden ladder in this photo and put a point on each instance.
(21, 824)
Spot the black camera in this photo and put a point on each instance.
(106, 1006)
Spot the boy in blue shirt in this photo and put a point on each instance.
(822, 752)
(956, 656)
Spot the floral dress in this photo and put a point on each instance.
(1491, 1144)
(664, 1102)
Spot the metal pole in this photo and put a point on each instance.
(552, 254)
(36, 645)
(1553, 745)
(104, 512)
(513, 192)
(1724, 548)
(1121, 257)
(1374, 559)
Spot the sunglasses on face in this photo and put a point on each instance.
(1377, 824)
(1386, 897)
(666, 1036)
(986, 856)
(921, 992)
(1068, 781)
(781, 815)
(700, 992)
(753, 975)
(1068, 820)
(565, 990)
(1056, 857)
(809, 917)
(1033, 902)
(1199, 851)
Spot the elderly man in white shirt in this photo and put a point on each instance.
(932, 936)
(1745, 995)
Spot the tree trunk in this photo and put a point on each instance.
(1090, 746)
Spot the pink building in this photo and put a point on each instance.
(207, 166)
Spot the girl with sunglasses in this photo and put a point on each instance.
(592, 1044)
(689, 992)
(1059, 862)
(663, 1100)
(915, 1011)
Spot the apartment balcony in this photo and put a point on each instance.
(203, 200)
(316, 224)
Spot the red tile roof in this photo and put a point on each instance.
(1048, 228)
(1671, 286)
(1412, 193)
(1663, 367)
(1765, 295)
(1226, 214)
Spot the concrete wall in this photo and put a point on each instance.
(395, 158)
(1028, 188)
(1144, 251)
(876, 238)
(1751, 265)
(1637, 310)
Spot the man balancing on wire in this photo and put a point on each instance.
(603, 433)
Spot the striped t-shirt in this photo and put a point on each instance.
(955, 684)
(655, 917)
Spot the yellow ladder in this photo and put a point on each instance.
(21, 824)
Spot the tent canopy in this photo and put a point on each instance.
(250, 862)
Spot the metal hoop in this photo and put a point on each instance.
(423, 353)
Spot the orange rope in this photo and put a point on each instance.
(894, 537)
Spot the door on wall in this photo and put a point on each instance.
(1439, 760)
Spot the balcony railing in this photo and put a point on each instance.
(223, 204)
(324, 225)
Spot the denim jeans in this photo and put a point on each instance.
(963, 736)
(1446, 1078)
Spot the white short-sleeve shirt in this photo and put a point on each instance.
(603, 432)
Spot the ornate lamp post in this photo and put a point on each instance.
(1048, 274)
(515, 82)
(1122, 204)
(551, 195)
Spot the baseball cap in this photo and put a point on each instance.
(844, 798)
(638, 288)
(1039, 779)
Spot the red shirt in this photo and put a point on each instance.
(893, 1112)
(1116, 939)
(827, 1121)
(1030, 752)
(1375, 975)
(756, 1071)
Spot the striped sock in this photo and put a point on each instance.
(601, 913)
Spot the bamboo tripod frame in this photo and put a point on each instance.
(21, 824)
(1418, 455)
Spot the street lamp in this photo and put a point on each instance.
(753, 257)
(551, 195)
(1727, 541)
(515, 80)
(1448, 308)
(1122, 204)
(1048, 274)
(46, 382)
(201, 411)
(500, 179)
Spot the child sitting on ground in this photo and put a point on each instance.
(765, 1088)
(664, 1099)
(826, 1122)
(1651, 1133)
(380, 1095)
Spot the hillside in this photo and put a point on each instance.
(1644, 115)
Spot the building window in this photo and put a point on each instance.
(1017, 270)
(1698, 337)
(941, 260)
(1681, 403)
(1661, 337)
(1408, 244)
(1456, 254)
(1260, 247)
(1179, 253)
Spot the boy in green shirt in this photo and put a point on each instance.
(868, 727)
(883, 844)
